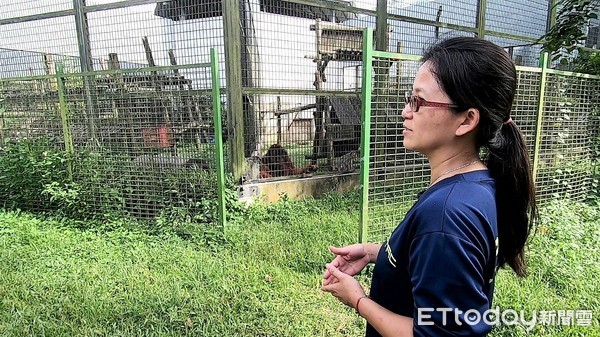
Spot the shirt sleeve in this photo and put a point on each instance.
(447, 274)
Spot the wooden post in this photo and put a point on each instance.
(49, 69)
(113, 61)
(103, 64)
(85, 57)
(279, 138)
(399, 64)
(130, 139)
(148, 51)
(318, 114)
(233, 71)
(437, 20)
(381, 38)
(187, 102)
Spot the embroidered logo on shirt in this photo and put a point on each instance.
(497, 246)
(391, 257)
(496, 242)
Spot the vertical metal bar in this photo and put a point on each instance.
(216, 98)
(552, 5)
(365, 136)
(233, 70)
(381, 69)
(63, 111)
(480, 25)
(85, 56)
(381, 40)
(540, 114)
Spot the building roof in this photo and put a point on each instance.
(198, 9)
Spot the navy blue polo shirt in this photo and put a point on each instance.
(442, 258)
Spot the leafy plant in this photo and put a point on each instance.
(26, 168)
(587, 62)
(567, 33)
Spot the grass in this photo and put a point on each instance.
(262, 278)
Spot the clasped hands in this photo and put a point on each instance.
(338, 276)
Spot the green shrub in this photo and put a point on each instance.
(26, 168)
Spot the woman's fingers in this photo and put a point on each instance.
(338, 250)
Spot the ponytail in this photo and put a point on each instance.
(508, 162)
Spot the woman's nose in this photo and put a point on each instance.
(406, 112)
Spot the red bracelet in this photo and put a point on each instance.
(358, 302)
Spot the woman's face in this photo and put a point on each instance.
(431, 128)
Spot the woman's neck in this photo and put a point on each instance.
(453, 164)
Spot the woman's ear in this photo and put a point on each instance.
(469, 122)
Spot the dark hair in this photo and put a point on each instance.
(276, 159)
(476, 73)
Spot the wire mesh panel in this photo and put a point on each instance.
(565, 163)
(134, 132)
(396, 175)
(145, 147)
(301, 68)
(290, 144)
(516, 17)
(31, 141)
(525, 106)
(33, 48)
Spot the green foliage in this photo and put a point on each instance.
(587, 62)
(34, 177)
(562, 271)
(26, 168)
(566, 35)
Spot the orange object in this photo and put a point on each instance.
(160, 136)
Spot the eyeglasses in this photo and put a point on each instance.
(415, 102)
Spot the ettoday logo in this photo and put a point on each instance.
(505, 317)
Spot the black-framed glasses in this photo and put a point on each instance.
(415, 102)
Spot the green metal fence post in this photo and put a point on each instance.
(216, 98)
(540, 115)
(367, 73)
(481, 9)
(64, 117)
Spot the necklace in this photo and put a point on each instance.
(452, 170)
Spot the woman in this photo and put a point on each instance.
(441, 261)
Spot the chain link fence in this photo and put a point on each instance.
(137, 92)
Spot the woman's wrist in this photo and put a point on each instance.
(372, 249)
(356, 307)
